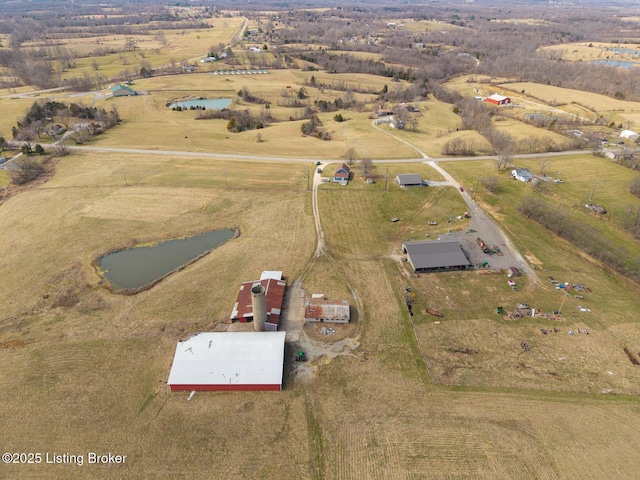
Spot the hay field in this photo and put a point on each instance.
(99, 361)
(588, 51)
(178, 45)
(436, 125)
(561, 96)
(149, 124)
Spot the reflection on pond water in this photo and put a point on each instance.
(136, 267)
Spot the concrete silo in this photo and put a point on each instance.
(259, 304)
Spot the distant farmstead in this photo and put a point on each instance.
(228, 361)
(498, 99)
(435, 255)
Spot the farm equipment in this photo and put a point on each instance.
(467, 215)
(497, 251)
(484, 264)
(433, 312)
(483, 246)
(500, 310)
(301, 357)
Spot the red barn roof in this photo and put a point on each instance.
(274, 291)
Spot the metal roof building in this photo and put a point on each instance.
(318, 309)
(430, 255)
(223, 361)
(274, 291)
(409, 180)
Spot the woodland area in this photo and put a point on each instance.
(480, 39)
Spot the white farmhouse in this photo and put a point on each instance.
(522, 174)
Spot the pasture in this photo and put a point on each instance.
(85, 370)
(385, 410)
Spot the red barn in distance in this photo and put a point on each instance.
(498, 99)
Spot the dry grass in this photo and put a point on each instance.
(562, 96)
(148, 123)
(99, 361)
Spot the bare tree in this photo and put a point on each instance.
(24, 169)
(350, 155)
(366, 166)
(543, 163)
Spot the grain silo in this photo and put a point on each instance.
(259, 304)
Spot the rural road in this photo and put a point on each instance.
(317, 180)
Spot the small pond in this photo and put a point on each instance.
(615, 63)
(139, 266)
(205, 103)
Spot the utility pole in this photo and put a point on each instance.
(476, 189)
(565, 297)
(308, 177)
(386, 181)
(593, 191)
(126, 184)
(225, 179)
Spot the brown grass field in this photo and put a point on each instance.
(84, 370)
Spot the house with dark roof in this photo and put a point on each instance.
(409, 180)
(435, 255)
(122, 91)
(341, 174)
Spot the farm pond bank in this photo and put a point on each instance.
(136, 269)
(203, 103)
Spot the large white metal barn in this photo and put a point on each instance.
(229, 361)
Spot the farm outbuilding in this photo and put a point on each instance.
(122, 91)
(497, 99)
(434, 255)
(629, 134)
(409, 180)
(222, 361)
(319, 309)
(274, 287)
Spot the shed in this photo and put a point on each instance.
(228, 361)
(318, 309)
(409, 180)
(434, 255)
(497, 99)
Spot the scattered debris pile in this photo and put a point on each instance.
(327, 331)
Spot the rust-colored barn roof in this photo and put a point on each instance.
(274, 291)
